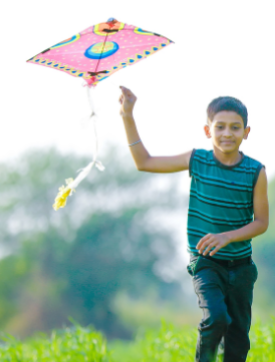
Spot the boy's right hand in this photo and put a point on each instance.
(127, 101)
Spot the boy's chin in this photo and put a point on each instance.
(227, 148)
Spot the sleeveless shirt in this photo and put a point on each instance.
(221, 199)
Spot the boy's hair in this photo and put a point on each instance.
(227, 104)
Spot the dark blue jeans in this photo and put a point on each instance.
(225, 295)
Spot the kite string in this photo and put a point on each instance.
(93, 118)
(85, 171)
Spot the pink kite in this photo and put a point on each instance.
(94, 54)
(101, 50)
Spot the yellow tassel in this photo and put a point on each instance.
(64, 192)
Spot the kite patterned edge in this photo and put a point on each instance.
(91, 79)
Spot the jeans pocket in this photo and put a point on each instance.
(191, 267)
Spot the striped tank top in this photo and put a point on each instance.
(221, 199)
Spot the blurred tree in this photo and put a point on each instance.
(73, 262)
(110, 253)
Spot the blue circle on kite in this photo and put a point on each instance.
(101, 50)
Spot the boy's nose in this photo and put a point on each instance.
(227, 132)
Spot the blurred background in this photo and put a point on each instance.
(115, 256)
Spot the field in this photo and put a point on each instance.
(165, 344)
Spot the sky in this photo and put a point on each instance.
(221, 48)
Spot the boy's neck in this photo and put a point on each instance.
(227, 159)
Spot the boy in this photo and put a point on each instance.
(227, 190)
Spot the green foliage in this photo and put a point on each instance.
(165, 344)
(170, 344)
(75, 344)
(262, 340)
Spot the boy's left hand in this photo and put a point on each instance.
(212, 240)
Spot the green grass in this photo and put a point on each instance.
(171, 344)
(165, 344)
(75, 344)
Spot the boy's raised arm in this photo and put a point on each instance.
(143, 160)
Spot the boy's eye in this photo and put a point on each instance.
(234, 127)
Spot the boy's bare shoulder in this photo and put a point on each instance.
(256, 166)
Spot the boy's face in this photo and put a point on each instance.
(227, 131)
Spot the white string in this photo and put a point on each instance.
(85, 171)
(93, 118)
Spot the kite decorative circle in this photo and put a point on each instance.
(104, 29)
(67, 41)
(142, 32)
(101, 50)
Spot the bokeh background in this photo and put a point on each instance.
(116, 257)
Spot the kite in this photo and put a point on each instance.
(94, 55)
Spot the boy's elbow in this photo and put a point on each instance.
(140, 168)
(265, 225)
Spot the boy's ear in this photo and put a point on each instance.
(207, 131)
(246, 133)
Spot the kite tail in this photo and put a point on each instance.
(85, 171)
(64, 192)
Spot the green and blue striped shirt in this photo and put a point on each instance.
(221, 199)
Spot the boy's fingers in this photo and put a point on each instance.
(208, 248)
(206, 244)
(214, 251)
(202, 240)
(126, 91)
(123, 89)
